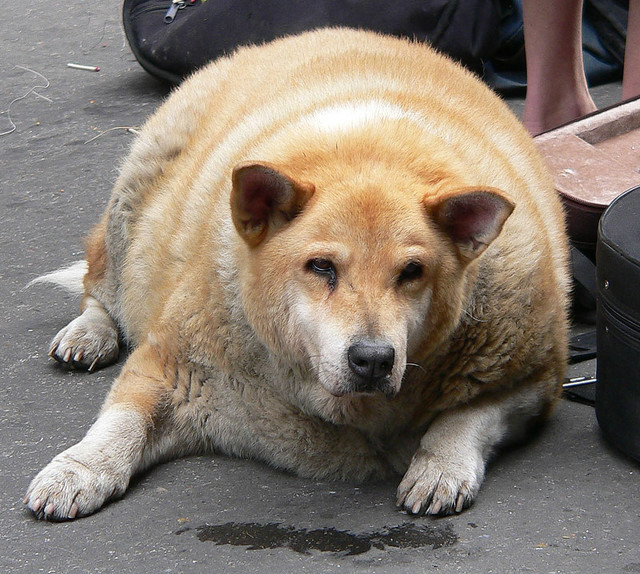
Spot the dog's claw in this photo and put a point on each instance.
(460, 503)
(93, 365)
(49, 510)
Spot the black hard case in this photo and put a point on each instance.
(618, 323)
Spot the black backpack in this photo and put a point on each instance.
(171, 39)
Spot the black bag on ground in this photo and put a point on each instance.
(618, 323)
(172, 39)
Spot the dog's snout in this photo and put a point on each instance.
(371, 362)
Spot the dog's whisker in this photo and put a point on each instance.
(418, 366)
(474, 318)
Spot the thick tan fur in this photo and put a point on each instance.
(339, 253)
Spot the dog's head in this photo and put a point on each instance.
(353, 276)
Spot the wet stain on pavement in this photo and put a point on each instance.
(274, 535)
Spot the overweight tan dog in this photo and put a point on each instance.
(338, 253)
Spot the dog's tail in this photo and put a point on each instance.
(69, 278)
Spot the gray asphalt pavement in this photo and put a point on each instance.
(566, 502)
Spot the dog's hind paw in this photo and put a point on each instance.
(435, 485)
(67, 489)
(90, 341)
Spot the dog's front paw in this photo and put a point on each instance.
(68, 488)
(90, 341)
(436, 484)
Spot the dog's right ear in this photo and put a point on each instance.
(263, 199)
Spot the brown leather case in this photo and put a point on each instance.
(593, 160)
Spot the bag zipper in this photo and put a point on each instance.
(176, 5)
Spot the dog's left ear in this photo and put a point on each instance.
(263, 199)
(471, 217)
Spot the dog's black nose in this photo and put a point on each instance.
(371, 362)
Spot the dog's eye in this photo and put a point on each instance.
(321, 266)
(411, 272)
(325, 268)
